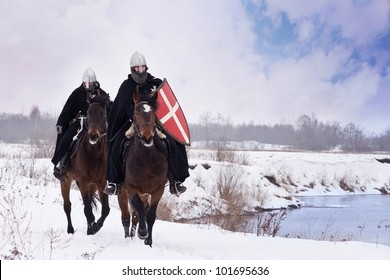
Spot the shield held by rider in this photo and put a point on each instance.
(171, 116)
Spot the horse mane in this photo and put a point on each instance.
(100, 99)
(152, 101)
(145, 95)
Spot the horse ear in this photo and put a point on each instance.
(106, 99)
(153, 95)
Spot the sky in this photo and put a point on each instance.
(32, 219)
(258, 61)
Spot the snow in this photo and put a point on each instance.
(32, 218)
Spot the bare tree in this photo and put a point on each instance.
(353, 138)
(35, 117)
(205, 120)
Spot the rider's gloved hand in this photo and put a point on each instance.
(59, 129)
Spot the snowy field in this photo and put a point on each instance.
(33, 224)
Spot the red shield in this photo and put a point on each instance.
(171, 115)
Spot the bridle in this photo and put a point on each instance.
(102, 131)
(145, 124)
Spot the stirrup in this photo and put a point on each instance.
(177, 188)
(112, 189)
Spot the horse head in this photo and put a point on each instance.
(97, 118)
(145, 116)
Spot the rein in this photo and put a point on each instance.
(81, 119)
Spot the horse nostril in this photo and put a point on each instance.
(94, 137)
(93, 140)
(148, 142)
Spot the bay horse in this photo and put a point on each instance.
(88, 166)
(146, 170)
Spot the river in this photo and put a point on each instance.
(354, 217)
(362, 217)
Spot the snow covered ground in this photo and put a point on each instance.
(33, 224)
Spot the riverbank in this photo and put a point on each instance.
(253, 180)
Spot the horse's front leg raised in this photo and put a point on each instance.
(105, 208)
(150, 218)
(140, 208)
(91, 228)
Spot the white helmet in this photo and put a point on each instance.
(138, 67)
(89, 79)
(137, 59)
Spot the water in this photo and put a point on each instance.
(363, 218)
(355, 217)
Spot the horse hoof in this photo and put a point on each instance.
(148, 242)
(94, 228)
(143, 233)
(71, 230)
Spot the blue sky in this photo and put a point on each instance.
(261, 61)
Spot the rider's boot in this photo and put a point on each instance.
(175, 186)
(61, 169)
(112, 188)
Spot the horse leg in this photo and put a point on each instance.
(151, 214)
(134, 219)
(87, 200)
(137, 203)
(123, 201)
(134, 223)
(95, 227)
(65, 190)
(105, 208)
(150, 219)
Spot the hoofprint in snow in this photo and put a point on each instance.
(32, 218)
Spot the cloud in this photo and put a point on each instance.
(305, 86)
(332, 65)
(189, 43)
(250, 61)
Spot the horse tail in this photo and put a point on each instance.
(95, 198)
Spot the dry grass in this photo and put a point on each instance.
(268, 223)
(15, 228)
(230, 187)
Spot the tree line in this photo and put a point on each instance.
(20, 128)
(306, 133)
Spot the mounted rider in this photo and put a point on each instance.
(120, 120)
(68, 126)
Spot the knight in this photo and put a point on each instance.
(120, 120)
